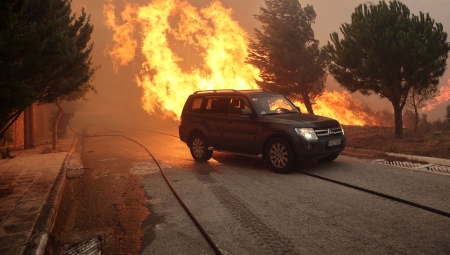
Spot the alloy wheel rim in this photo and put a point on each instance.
(197, 147)
(278, 155)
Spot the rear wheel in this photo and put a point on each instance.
(328, 158)
(280, 156)
(199, 148)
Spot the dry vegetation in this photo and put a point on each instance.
(421, 143)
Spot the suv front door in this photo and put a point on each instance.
(239, 132)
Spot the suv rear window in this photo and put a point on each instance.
(196, 104)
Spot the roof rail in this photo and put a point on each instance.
(224, 90)
(216, 90)
(249, 90)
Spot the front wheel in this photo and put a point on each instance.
(280, 156)
(199, 148)
(328, 158)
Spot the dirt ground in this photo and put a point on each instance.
(107, 201)
(420, 143)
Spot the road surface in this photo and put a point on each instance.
(245, 208)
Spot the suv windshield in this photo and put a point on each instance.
(273, 104)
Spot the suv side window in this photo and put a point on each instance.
(236, 104)
(216, 105)
(196, 105)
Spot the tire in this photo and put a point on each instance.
(328, 158)
(280, 155)
(199, 148)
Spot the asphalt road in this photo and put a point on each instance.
(247, 209)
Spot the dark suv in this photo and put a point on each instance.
(259, 124)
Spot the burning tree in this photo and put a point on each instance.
(417, 99)
(387, 51)
(286, 52)
(44, 57)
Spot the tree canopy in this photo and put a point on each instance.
(44, 57)
(286, 52)
(387, 51)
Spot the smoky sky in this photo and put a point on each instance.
(121, 88)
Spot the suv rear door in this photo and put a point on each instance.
(215, 111)
(239, 132)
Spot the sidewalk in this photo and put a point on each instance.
(30, 189)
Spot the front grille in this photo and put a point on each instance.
(320, 132)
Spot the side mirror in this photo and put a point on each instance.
(246, 112)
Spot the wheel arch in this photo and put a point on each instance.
(278, 134)
(196, 130)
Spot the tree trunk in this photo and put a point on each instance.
(417, 117)
(415, 109)
(55, 124)
(398, 121)
(307, 103)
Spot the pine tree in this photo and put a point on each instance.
(387, 51)
(44, 57)
(286, 52)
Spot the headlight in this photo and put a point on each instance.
(307, 133)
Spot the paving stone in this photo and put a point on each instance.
(11, 174)
(23, 183)
(7, 179)
(18, 250)
(7, 165)
(5, 192)
(19, 227)
(35, 169)
(4, 213)
(40, 185)
(8, 203)
(14, 240)
(29, 206)
(36, 194)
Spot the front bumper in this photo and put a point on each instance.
(307, 150)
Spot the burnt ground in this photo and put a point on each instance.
(382, 139)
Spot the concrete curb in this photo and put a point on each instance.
(431, 160)
(39, 237)
(434, 161)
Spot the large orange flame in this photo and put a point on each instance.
(124, 49)
(209, 36)
(342, 107)
(187, 49)
(443, 96)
